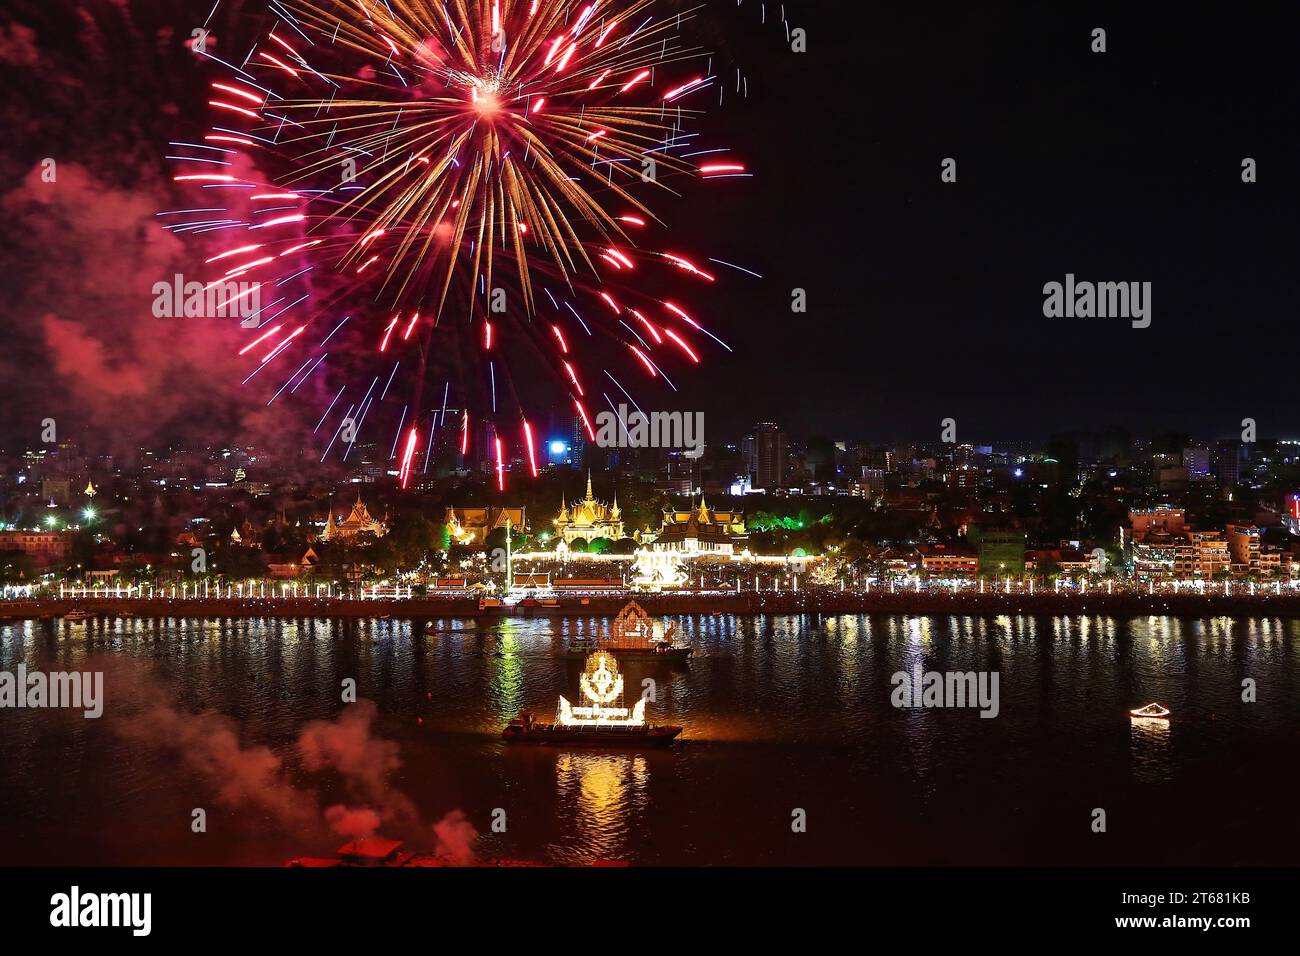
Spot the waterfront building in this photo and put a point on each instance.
(701, 530)
(1164, 546)
(43, 547)
(589, 519)
(948, 560)
(1243, 546)
(471, 526)
(1162, 518)
(357, 522)
(291, 566)
(1001, 551)
(1153, 558)
(1069, 561)
(1201, 554)
(1249, 556)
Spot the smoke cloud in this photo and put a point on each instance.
(366, 762)
(254, 778)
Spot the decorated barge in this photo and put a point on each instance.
(632, 638)
(603, 721)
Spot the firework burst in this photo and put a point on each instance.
(447, 178)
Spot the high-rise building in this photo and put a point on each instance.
(1243, 545)
(1001, 551)
(1225, 460)
(483, 450)
(1196, 460)
(566, 438)
(1201, 554)
(768, 456)
(682, 470)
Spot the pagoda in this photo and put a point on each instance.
(358, 522)
(589, 519)
(700, 530)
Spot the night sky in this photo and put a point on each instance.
(924, 298)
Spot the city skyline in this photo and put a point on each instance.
(714, 438)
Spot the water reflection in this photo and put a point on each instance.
(1150, 751)
(779, 711)
(507, 682)
(599, 795)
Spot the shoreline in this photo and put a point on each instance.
(608, 605)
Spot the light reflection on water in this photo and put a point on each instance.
(779, 712)
(602, 793)
(1150, 750)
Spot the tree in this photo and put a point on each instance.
(441, 537)
(236, 562)
(16, 567)
(410, 541)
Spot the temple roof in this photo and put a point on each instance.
(358, 520)
(589, 512)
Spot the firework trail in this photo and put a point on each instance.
(456, 184)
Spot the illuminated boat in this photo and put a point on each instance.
(632, 638)
(1150, 712)
(74, 616)
(604, 721)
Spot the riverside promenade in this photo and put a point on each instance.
(1126, 603)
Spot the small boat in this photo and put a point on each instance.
(74, 616)
(603, 721)
(1150, 712)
